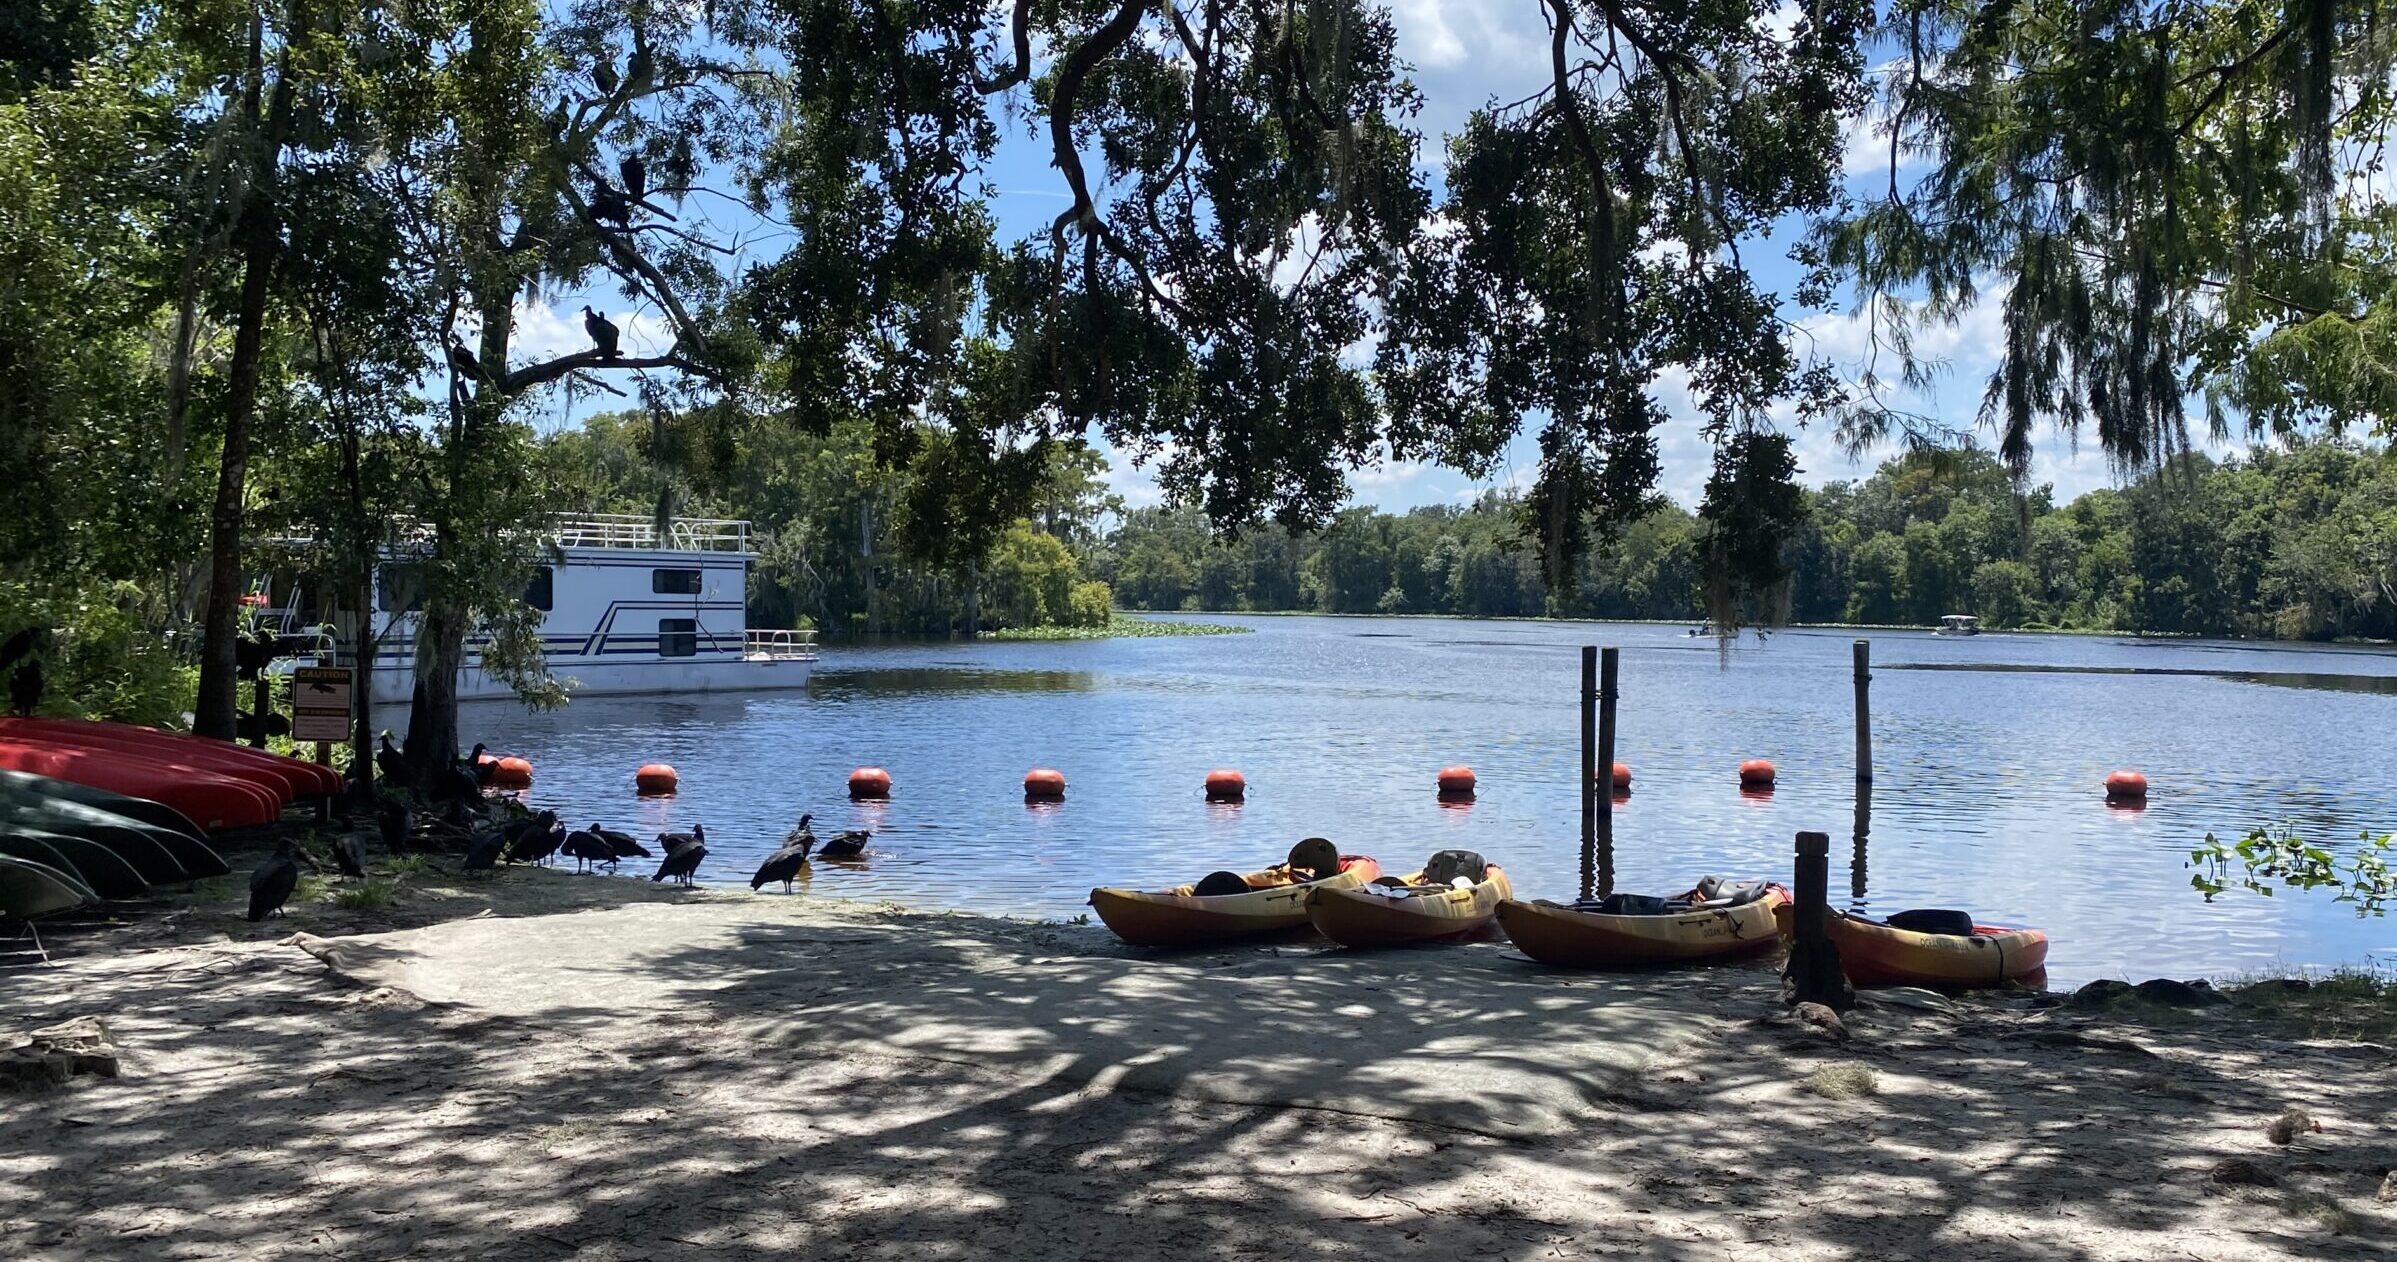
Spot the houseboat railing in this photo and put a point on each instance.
(633, 531)
(778, 646)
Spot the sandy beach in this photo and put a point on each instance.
(548, 1066)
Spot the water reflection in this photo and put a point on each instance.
(911, 681)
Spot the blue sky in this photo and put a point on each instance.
(1464, 52)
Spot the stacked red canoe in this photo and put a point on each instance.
(218, 785)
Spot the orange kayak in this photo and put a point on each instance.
(1182, 917)
(1884, 955)
(1364, 917)
(1573, 938)
(213, 801)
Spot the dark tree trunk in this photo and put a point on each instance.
(213, 713)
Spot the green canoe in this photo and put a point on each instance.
(28, 890)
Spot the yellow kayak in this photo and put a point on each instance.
(1574, 937)
(1429, 908)
(1275, 901)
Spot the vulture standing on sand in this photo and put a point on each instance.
(349, 857)
(783, 865)
(603, 334)
(534, 840)
(587, 850)
(482, 853)
(271, 885)
(848, 845)
(391, 762)
(620, 844)
(396, 822)
(683, 853)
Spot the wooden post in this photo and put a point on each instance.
(1814, 974)
(324, 806)
(1864, 712)
(262, 704)
(1864, 832)
(1589, 769)
(1602, 785)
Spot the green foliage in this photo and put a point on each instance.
(103, 660)
(2161, 198)
(1120, 628)
(372, 894)
(2266, 860)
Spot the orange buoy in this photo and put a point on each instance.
(656, 777)
(1456, 782)
(869, 784)
(2126, 786)
(1756, 773)
(1044, 784)
(513, 773)
(1622, 778)
(1226, 785)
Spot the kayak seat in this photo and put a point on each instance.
(1215, 883)
(1934, 920)
(1715, 891)
(1447, 865)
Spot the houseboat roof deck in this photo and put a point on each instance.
(641, 533)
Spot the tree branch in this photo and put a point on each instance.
(519, 380)
(1020, 26)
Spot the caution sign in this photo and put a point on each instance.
(320, 703)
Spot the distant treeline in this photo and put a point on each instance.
(2296, 544)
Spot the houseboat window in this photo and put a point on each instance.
(542, 592)
(678, 637)
(674, 582)
(399, 589)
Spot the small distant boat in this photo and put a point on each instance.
(1925, 948)
(1959, 624)
(1717, 920)
(1438, 902)
(1274, 902)
(1703, 628)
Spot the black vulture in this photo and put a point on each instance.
(609, 206)
(348, 856)
(254, 652)
(671, 842)
(615, 837)
(636, 176)
(464, 361)
(482, 853)
(526, 836)
(25, 682)
(603, 73)
(271, 885)
(683, 860)
(783, 865)
(603, 334)
(538, 846)
(586, 849)
(848, 845)
(484, 771)
(391, 762)
(25, 688)
(397, 822)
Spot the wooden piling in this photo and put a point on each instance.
(1605, 796)
(1864, 832)
(1864, 712)
(1814, 974)
(1590, 797)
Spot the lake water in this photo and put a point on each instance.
(1990, 757)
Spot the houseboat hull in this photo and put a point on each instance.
(396, 684)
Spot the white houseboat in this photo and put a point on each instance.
(626, 608)
(1958, 624)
